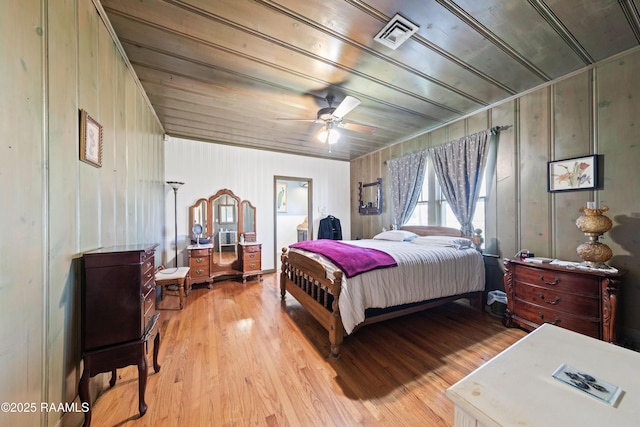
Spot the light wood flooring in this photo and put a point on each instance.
(234, 356)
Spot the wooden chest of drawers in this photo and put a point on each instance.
(118, 295)
(118, 316)
(251, 257)
(584, 301)
(200, 260)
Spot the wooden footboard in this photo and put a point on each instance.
(306, 280)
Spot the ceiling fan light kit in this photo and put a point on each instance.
(331, 117)
(329, 136)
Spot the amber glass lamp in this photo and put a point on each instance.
(594, 224)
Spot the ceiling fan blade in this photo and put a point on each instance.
(347, 104)
(358, 128)
(299, 120)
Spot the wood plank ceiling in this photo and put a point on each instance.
(230, 71)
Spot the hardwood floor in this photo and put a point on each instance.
(234, 356)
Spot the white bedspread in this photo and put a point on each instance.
(425, 271)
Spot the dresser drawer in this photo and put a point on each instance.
(251, 248)
(148, 282)
(148, 267)
(551, 298)
(251, 256)
(198, 262)
(198, 270)
(252, 265)
(148, 303)
(199, 253)
(538, 315)
(558, 280)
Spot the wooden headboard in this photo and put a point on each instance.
(433, 230)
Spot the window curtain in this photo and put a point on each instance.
(406, 175)
(459, 166)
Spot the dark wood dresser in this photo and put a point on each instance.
(118, 315)
(584, 301)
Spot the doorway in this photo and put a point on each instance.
(292, 204)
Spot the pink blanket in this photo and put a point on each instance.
(352, 260)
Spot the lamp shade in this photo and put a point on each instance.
(330, 136)
(175, 184)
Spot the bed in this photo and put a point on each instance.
(431, 268)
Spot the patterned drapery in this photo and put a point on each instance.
(459, 166)
(406, 175)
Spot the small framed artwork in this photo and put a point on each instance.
(281, 197)
(578, 173)
(90, 140)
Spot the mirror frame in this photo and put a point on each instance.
(212, 199)
(197, 205)
(365, 208)
(246, 204)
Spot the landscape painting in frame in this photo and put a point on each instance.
(578, 173)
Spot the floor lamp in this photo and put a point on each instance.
(175, 185)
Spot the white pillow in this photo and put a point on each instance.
(396, 236)
(457, 242)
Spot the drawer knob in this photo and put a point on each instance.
(199, 271)
(554, 302)
(555, 322)
(199, 259)
(555, 282)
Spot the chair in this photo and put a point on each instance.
(172, 281)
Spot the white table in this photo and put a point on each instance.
(516, 388)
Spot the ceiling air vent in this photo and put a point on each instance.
(396, 32)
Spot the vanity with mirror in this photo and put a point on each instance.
(370, 198)
(224, 239)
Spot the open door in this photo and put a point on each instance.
(292, 212)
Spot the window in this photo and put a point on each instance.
(420, 215)
(438, 212)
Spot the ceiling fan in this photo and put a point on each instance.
(332, 118)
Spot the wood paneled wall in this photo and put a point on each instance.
(57, 57)
(594, 111)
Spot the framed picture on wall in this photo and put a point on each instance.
(90, 140)
(578, 173)
(281, 197)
